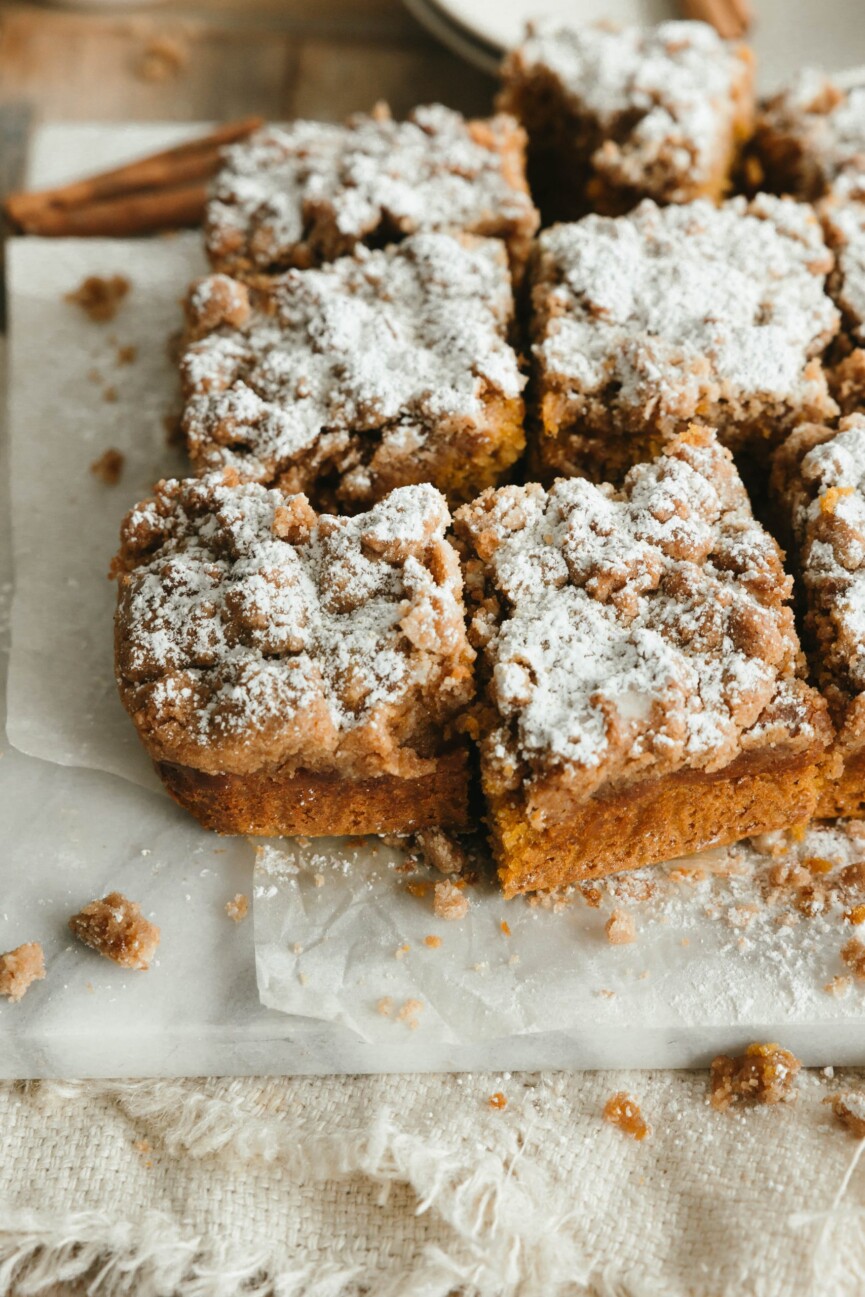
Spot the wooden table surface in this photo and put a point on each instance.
(218, 59)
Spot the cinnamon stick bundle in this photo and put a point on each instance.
(166, 190)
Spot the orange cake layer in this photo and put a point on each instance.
(283, 666)
(615, 115)
(643, 680)
(376, 371)
(642, 323)
(310, 192)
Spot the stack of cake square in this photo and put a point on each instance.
(310, 641)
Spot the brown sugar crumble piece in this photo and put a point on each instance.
(109, 466)
(442, 851)
(622, 1111)
(238, 908)
(498, 1101)
(810, 138)
(620, 928)
(432, 941)
(382, 369)
(116, 929)
(308, 193)
(853, 956)
(450, 903)
(408, 1013)
(19, 969)
(616, 114)
(818, 496)
(100, 298)
(293, 672)
(848, 1109)
(764, 1074)
(643, 323)
(642, 676)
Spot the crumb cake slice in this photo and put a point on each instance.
(293, 672)
(844, 223)
(818, 483)
(379, 370)
(306, 193)
(642, 323)
(810, 138)
(615, 115)
(643, 681)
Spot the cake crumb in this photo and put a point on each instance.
(764, 1074)
(449, 903)
(116, 929)
(238, 908)
(505, 928)
(498, 1101)
(402, 951)
(297, 948)
(318, 880)
(442, 851)
(408, 1013)
(162, 59)
(126, 355)
(624, 1112)
(856, 915)
(849, 1111)
(839, 987)
(100, 298)
(853, 955)
(109, 466)
(20, 968)
(384, 1007)
(620, 928)
(432, 941)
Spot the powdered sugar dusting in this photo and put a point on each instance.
(253, 632)
(668, 312)
(845, 223)
(815, 128)
(634, 630)
(310, 191)
(670, 88)
(373, 356)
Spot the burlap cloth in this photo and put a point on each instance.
(413, 1185)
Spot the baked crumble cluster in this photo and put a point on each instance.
(643, 679)
(382, 369)
(19, 969)
(646, 322)
(764, 1074)
(310, 192)
(810, 138)
(116, 929)
(256, 637)
(615, 115)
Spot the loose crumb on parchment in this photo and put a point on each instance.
(20, 968)
(116, 929)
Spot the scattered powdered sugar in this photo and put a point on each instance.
(252, 631)
(379, 352)
(667, 309)
(845, 222)
(818, 128)
(646, 628)
(312, 190)
(670, 89)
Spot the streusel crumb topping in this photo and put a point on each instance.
(819, 128)
(19, 969)
(636, 631)
(845, 226)
(330, 186)
(115, 927)
(384, 348)
(254, 633)
(663, 94)
(668, 309)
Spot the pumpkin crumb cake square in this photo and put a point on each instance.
(309, 192)
(645, 322)
(810, 138)
(818, 488)
(643, 690)
(292, 672)
(383, 369)
(615, 115)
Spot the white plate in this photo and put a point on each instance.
(787, 34)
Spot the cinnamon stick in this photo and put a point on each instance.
(137, 213)
(730, 18)
(181, 166)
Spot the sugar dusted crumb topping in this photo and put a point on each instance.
(848, 1108)
(450, 902)
(818, 129)
(312, 190)
(349, 369)
(763, 1074)
(116, 928)
(662, 96)
(636, 631)
(620, 928)
(19, 969)
(624, 1112)
(237, 908)
(253, 632)
(819, 476)
(673, 311)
